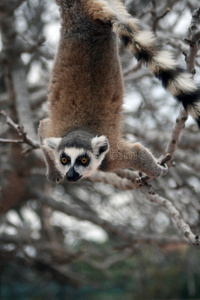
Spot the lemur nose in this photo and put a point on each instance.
(72, 175)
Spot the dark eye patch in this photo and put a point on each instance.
(83, 160)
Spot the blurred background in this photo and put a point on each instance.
(91, 240)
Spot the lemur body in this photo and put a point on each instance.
(83, 132)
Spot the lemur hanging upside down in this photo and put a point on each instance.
(83, 132)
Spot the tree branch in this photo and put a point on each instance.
(176, 131)
(20, 131)
(156, 17)
(193, 41)
(190, 61)
(116, 181)
(174, 213)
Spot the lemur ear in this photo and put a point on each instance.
(52, 142)
(100, 145)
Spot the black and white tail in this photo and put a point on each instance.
(146, 48)
(179, 82)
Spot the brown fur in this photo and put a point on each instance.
(86, 90)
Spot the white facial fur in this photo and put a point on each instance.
(73, 153)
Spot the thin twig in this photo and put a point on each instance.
(176, 131)
(11, 141)
(20, 130)
(193, 41)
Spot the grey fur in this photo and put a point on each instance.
(77, 139)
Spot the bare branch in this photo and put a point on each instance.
(115, 180)
(176, 131)
(11, 141)
(190, 60)
(156, 17)
(174, 213)
(193, 41)
(83, 215)
(20, 130)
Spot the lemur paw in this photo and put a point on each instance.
(54, 176)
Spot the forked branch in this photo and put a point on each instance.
(25, 139)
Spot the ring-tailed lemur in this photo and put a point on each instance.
(83, 132)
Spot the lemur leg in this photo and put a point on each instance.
(53, 174)
(114, 12)
(137, 157)
(105, 10)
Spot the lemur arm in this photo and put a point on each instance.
(141, 159)
(53, 174)
(134, 156)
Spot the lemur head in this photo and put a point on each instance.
(78, 154)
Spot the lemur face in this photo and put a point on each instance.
(77, 157)
(78, 163)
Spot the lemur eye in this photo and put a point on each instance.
(64, 160)
(84, 160)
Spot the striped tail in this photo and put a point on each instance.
(146, 48)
